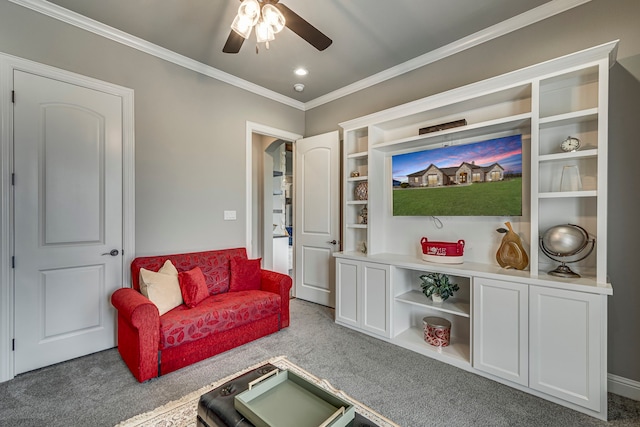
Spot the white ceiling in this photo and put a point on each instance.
(369, 36)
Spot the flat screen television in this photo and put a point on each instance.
(477, 179)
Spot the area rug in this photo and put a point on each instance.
(183, 412)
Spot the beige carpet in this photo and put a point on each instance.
(183, 412)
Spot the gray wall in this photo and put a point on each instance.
(591, 24)
(190, 131)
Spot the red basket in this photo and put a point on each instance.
(442, 251)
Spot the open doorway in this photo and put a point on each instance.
(278, 206)
(271, 216)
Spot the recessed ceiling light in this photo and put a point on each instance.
(301, 71)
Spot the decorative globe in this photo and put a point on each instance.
(565, 240)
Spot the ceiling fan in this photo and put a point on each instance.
(269, 17)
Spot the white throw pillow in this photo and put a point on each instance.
(162, 288)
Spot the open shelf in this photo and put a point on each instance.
(413, 339)
(567, 194)
(452, 306)
(511, 124)
(573, 117)
(565, 156)
(362, 226)
(358, 155)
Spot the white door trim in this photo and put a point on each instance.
(8, 64)
(258, 128)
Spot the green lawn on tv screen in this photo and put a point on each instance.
(501, 198)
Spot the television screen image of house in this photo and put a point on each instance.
(478, 179)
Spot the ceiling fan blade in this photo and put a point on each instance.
(302, 28)
(234, 43)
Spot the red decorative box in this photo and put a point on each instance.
(442, 252)
(437, 331)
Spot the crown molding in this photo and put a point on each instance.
(525, 19)
(88, 24)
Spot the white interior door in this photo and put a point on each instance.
(317, 226)
(68, 215)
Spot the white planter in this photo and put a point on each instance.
(436, 298)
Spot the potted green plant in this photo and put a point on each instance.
(438, 286)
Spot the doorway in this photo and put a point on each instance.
(277, 215)
(270, 216)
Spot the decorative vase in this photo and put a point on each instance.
(362, 191)
(436, 298)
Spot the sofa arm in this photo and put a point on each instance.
(138, 332)
(280, 284)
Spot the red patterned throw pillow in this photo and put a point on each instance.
(193, 286)
(245, 274)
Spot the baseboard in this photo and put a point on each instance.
(623, 387)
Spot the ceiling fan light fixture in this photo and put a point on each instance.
(242, 26)
(273, 17)
(250, 10)
(264, 33)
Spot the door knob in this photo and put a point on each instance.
(114, 252)
(333, 242)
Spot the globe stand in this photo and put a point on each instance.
(563, 270)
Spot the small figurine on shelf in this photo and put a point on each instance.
(361, 191)
(363, 249)
(364, 213)
(511, 253)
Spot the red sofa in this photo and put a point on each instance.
(152, 345)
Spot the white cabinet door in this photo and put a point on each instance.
(348, 292)
(500, 329)
(567, 339)
(376, 298)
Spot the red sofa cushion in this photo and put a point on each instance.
(193, 286)
(246, 274)
(216, 313)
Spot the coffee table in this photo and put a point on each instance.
(216, 408)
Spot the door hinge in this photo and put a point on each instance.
(13, 262)
(13, 96)
(13, 344)
(13, 178)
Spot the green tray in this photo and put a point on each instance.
(285, 399)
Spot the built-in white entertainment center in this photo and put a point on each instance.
(539, 333)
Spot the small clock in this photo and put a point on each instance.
(570, 144)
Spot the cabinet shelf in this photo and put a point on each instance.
(566, 156)
(357, 178)
(363, 226)
(358, 155)
(357, 202)
(482, 129)
(413, 339)
(417, 298)
(572, 117)
(567, 194)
